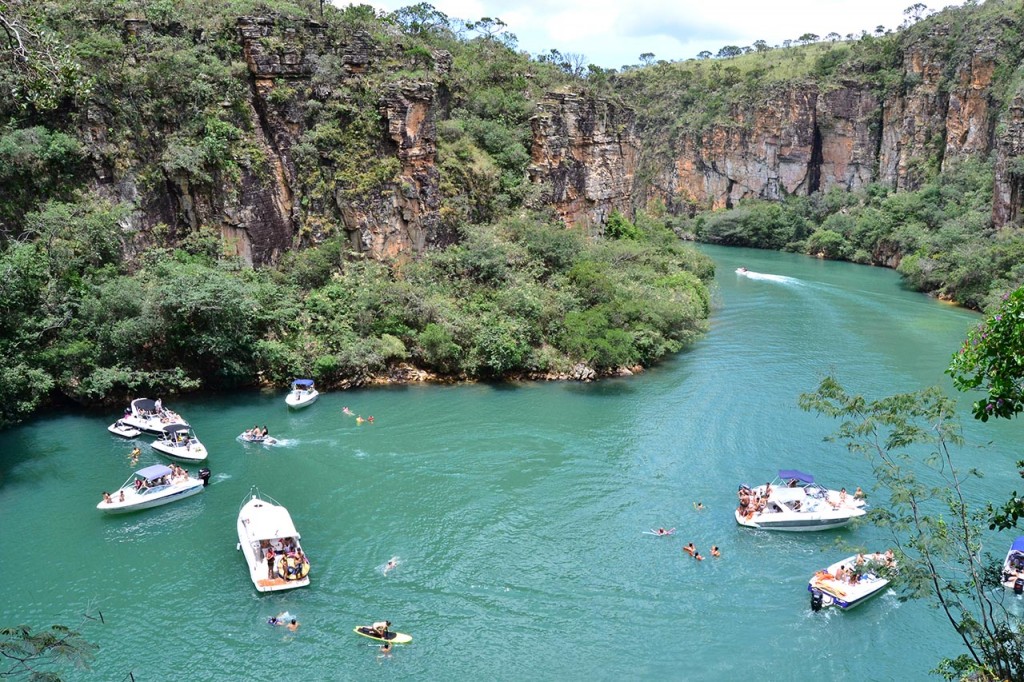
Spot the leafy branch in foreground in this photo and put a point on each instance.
(36, 654)
(908, 440)
(992, 360)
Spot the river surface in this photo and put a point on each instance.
(516, 513)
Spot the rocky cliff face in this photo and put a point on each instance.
(398, 219)
(586, 152)
(267, 208)
(798, 139)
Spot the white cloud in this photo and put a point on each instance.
(612, 33)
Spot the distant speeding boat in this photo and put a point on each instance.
(178, 442)
(151, 487)
(1013, 567)
(150, 416)
(851, 581)
(303, 393)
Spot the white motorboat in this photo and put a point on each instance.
(270, 543)
(151, 487)
(150, 416)
(249, 437)
(303, 393)
(180, 443)
(1013, 567)
(796, 503)
(851, 581)
(119, 428)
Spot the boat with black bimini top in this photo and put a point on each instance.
(180, 443)
(153, 486)
(270, 543)
(150, 416)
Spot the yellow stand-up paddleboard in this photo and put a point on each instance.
(393, 637)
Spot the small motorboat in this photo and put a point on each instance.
(851, 581)
(1013, 567)
(303, 394)
(153, 486)
(119, 428)
(250, 437)
(270, 543)
(180, 443)
(150, 416)
(388, 636)
(794, 502)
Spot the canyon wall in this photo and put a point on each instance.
(796, 140)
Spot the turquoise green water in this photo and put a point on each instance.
(516, 513)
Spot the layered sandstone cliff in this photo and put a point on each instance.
(801, 138)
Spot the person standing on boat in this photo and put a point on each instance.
(270, 563)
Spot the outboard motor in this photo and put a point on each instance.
(204, 476)
(816, 600)
(1018, 586)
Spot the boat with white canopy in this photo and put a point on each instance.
(153, 486)
(270, 543)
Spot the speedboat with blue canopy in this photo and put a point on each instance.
(149, 416)
(1013, 567)
(180, 443)
(153, 486)
(795, 502)
(303, 393)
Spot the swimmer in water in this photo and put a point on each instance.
(346, 410)
(392, 563)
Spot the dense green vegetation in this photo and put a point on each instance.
(95, 310)
(157, 98)
(942, 233)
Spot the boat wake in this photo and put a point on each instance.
(782, 279)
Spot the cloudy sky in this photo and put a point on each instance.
(611, 33)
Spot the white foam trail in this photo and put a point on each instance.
(771, 278)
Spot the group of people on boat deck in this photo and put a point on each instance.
(751, 502)
(862, 565)
(109, 500)
(257, 432)
(288, 548)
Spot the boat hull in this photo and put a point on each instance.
(136, 502)
(194, 451)
(123, 430)
(299, 399)
(794, 523)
